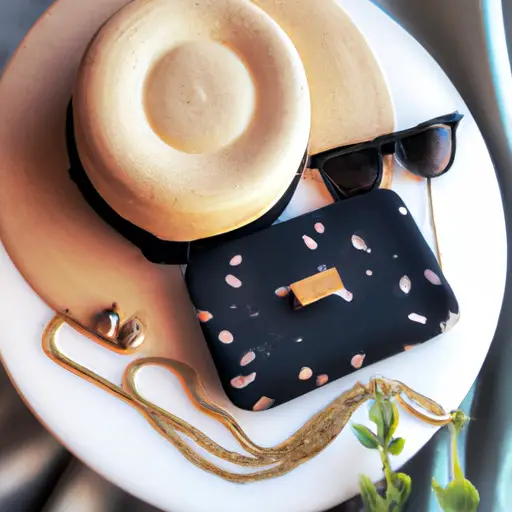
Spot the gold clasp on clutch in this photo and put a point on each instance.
(316, 287)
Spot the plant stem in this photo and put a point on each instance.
(386, 467)
(456, 469)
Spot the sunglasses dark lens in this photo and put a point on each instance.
(354, 173)
(427, 153)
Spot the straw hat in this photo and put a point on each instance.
(180, 163)
(191, 118)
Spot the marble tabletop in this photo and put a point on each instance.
(38, 474)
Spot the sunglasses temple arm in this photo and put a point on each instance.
(433, 217)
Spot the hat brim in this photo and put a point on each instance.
(350, 99)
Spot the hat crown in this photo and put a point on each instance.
(199, 97)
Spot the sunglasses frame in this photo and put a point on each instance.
(385, 145)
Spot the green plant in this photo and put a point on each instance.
(458, 496)
(384, 414)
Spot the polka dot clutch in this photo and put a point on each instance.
(307, 301)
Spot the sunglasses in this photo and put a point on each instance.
(427, 150)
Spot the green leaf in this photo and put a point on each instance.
(391, 416)
(402, 484)
(384, 414)
(459, 496)
(376, 417)
(372, 501)
(437, 488)
(396, 446)
(366, 437)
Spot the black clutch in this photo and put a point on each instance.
(307, 301)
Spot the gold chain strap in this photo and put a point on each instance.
(309, 440)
